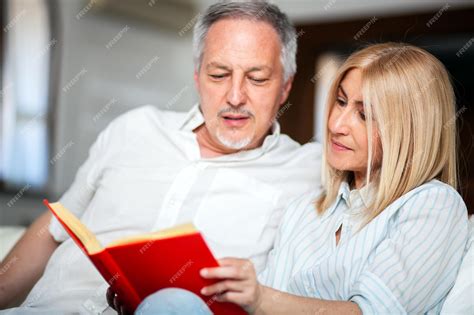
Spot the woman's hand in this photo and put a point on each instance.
(239, 283)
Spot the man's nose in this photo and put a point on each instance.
(237, 96)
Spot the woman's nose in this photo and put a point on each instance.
(340, 121)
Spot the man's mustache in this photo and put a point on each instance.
(236, 111)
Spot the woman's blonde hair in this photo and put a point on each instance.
(408, 97)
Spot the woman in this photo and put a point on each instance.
(388, 232)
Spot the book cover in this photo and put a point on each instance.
(138, 266)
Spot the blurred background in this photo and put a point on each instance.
(68, 67)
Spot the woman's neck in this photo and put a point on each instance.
(358, 180)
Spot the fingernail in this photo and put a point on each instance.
(203, 291)
(203, 272)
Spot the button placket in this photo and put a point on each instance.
(176, 194)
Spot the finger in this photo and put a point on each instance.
(227, 272)
(222, 286)
(233, 297)
(245, 264)
(227, 261)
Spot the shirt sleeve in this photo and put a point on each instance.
(266, 276)
(415, 266)
(459, 300)
(81, 191)
(276, 273)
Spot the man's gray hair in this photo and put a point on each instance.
(251, 10)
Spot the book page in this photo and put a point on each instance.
(86, 237)
(183, 229)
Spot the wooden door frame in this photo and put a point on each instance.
(315, 39)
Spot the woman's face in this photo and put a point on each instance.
(348, 142)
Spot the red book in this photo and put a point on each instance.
(138, 266)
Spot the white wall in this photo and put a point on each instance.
(102, 82)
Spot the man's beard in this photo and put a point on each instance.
(233, 143)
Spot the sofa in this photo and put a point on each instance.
(460, 299)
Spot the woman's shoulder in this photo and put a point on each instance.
(302, 206)
(432, 190)
(430, 197)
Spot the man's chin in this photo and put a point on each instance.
(234, 143)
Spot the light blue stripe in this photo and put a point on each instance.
(448, 272)
(425, 257)
(415, 252)
(403, 241)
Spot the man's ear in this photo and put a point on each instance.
(286, 89)
(196, 78)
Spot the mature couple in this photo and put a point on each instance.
(381, 229)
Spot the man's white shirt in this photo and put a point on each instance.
(145, 173)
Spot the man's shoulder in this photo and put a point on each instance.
(296, 151)
(149, 115)
(144, 122)
(311, 148)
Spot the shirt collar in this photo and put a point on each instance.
(195, 118)
(345, 193)
(365, 194)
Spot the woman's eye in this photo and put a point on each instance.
(362, 115)
(340, 102)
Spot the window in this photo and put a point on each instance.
(24, 108)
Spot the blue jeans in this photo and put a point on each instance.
(173, 301)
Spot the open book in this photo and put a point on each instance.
(138, 266)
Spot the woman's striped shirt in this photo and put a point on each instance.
(404, 261)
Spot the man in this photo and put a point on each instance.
(224, 165)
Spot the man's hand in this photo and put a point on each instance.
(240, 285)
(115, 303)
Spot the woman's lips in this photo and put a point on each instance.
(339, 147)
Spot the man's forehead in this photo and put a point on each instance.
(228, 67)
(232, 40)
